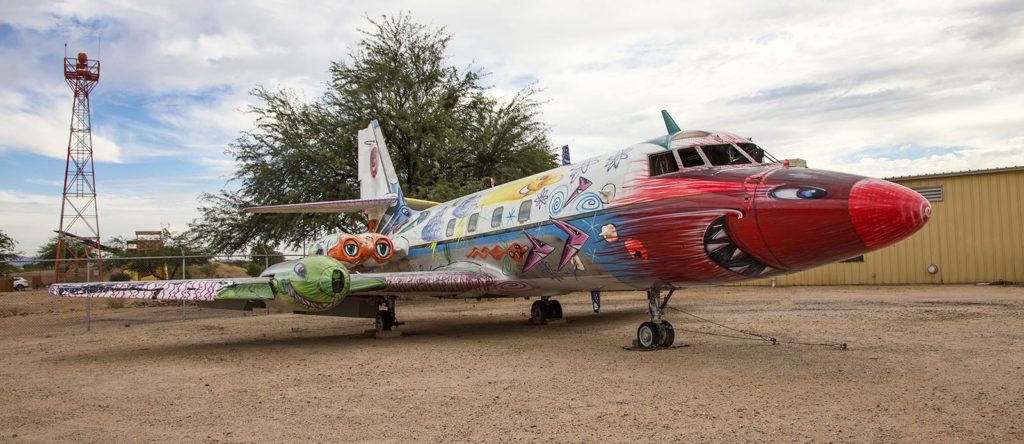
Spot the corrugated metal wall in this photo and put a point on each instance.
(976, 234)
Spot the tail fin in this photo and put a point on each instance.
(377, 179)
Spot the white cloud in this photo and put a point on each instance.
(31, 218)
(39, 123)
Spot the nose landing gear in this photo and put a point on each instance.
(656, 332)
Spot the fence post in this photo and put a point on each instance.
(88, 301)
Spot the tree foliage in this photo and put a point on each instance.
(7, 252)
(140, 261)
(261, 257)
(49, 251)
(447, 136)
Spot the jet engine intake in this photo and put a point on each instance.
(310, 284)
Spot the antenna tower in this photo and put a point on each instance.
(79, 219)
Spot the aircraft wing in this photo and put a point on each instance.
(208, 290)
(439, 282)
(332, 206)
(442, 282)
(300, 283)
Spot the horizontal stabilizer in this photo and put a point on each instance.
(333, 206)
(419, 204)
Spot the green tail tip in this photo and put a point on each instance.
(670, 124)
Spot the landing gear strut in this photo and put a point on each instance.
(656, 332)
(386, 319)
(543, 310)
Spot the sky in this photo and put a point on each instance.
(880, 88)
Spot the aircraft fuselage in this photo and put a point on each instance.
(683, 211)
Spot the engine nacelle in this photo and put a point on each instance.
(313, 283)
(381, 248)
(367, 249)
(347, 248)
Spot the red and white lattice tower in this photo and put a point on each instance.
(79, 218)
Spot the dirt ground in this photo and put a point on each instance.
(923, 364)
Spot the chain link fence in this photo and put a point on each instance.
(33, 312)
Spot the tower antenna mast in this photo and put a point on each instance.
(79, 218)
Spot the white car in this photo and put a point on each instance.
(20, 283)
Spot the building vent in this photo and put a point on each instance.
(933, 193)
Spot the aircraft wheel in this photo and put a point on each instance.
(668, 335)
(385, 320)
(647, 336)
(554, 309)
(538, 312)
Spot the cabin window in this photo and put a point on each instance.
(524, 210)
(690, 157)
(662, 163)
(451, 228)
(720, 155)
(496, 217)
(755, 152)
(473, 220)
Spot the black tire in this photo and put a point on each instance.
(668, 335)
(648, 335)
(554, 310)
(538, 312)
(385, 320)
(19, 288)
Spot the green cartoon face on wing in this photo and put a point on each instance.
(313, 283)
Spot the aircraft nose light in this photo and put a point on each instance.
(883, 212)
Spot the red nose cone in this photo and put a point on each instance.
(883, 212)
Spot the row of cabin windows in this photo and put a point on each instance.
(715, 155)
(474, 219)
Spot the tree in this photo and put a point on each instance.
(142, 262)
(7, 253)
(260, 258)
(446, 136)
(49, 251)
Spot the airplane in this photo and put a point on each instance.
(689, 208)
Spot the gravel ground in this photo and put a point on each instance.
(929, 363)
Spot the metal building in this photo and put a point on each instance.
(976, 234)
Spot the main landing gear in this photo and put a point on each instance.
(386, 320)
(656, 332)
(543, 310)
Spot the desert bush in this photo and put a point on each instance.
(208, 269)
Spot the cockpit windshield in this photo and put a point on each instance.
(725, 154)
(755, 152)
(708, 155)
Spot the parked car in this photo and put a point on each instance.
(20, 284)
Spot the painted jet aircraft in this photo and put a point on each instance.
(689, 208)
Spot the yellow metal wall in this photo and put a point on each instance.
(976, 234)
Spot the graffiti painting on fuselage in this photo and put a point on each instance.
(516, 237)
(607, 216)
